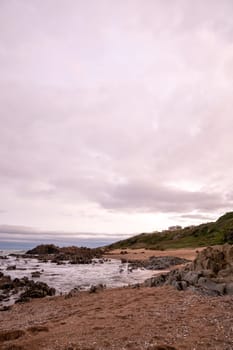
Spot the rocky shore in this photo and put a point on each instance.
(190, 309)
(24, 289)
(73, 254)
(156, 263)
(210, 273)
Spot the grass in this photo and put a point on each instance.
(212, 233)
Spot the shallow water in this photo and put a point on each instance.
(63, 278)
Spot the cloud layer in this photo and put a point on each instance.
(115, 116)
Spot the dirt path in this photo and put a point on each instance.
(121, 319)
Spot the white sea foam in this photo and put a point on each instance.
(63, 278)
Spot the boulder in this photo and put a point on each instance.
(96, 288)
(36, 290)
(210, 273)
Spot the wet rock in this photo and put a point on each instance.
(36, 290)
(72, 293)
(6, 308)
(36, 274)
(158, 263)
(96, 288)
(44, 249)
(11, 267)
(75, 255)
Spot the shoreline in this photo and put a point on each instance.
(127, 318)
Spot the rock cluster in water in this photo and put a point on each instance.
(23, 288)
(210, 273)
(156, 263)
(75, 255)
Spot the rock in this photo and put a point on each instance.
(191, 277)
(36, 290)
(156, 281)
(3, 257)
(211, 273)
(6, 308)
(212, 286)
(72, 293)
(157, 263)
(229, 288)
(11, 267)
(44, 249)
(97, 288)
(36, 274)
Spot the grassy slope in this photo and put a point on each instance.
(212, 233)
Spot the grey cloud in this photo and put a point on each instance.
(197, 217)
(140, 196)
(12, 231)
(106, 102)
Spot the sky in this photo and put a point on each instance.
(115, 116)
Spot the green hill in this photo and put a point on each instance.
(212, 233)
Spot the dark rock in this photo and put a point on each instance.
(75, 255)
(36, 274)
(156, 281)
(210, 273)
(36, 290)
(12, 267)
(207, 283)
(97, 288)
(229, 288)
(72, 293)
(158, 263)
(161, 347)
(44, 249)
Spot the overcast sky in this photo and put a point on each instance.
(116, 115)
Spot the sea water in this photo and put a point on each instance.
(63, 278)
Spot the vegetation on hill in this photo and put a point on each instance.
(212, 233)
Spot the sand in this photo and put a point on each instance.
(125, 318)
(143, 254)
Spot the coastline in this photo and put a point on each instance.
(135, 317)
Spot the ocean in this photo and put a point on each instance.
(26, 244)
(112, 273)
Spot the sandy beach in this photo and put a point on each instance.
(123, 318)
(144, 254)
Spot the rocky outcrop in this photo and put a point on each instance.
(23, 288)
(97, 288)
(75, 255)
(44, 249)
(210, 273)
(157, 263)
(36, 290)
